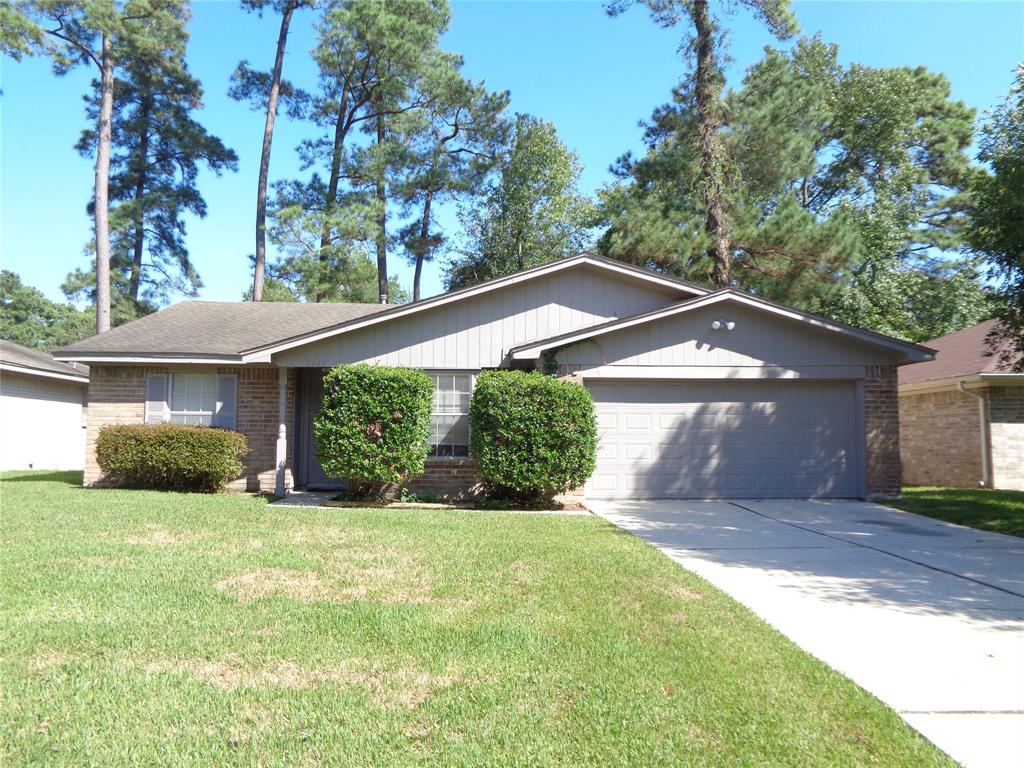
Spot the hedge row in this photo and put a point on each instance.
(171, 457)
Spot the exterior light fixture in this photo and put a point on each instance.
(718, 325)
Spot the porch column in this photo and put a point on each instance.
(282, 430)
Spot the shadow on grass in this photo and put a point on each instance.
(42, 476)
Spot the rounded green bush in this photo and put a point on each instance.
(373, 425)
(532, 434)
(170, 457)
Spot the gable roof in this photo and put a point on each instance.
(212, 331)
(262, 354)
(911, 352)
(958, 355)
(33, 362)
(233, 332)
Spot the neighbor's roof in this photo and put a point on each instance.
(215, 329)
(34, 362)
(959, 354)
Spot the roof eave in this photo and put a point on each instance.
(25, 370)
(913, 353)
(147, 358)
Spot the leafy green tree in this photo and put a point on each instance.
(251, 85)
(837, 177)
(996, 229)
(157, 147)
(28, 318)
(530, 214)
(299, 278)
(705, 46)
(91, 32)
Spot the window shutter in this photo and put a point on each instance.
(156, 398)
(227, 389)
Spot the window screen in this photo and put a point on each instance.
(449, 418)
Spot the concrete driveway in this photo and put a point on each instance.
(927, 616)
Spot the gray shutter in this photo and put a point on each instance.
(224, 416)
(156, 398)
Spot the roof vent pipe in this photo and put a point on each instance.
(986, 459)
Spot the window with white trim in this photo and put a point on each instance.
(193, 398)
(449, 415)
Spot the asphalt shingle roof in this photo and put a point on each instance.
(32, 359)
(958, 354)
(219, 327)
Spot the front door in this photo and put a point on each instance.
(311, 474)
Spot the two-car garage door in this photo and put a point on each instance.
(741, 439)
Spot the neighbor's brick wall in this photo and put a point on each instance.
(881, 431)
(940, 439)
(117, 395)
(1006, 414)
(449, 479)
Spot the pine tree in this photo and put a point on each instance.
(157, 147)
(90, 32)
(708, 82)
(250, 85)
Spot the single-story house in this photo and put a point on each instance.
(698, 393)
(962, 415)
(42, 410)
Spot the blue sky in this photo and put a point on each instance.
(593, 76)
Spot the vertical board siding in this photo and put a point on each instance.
(688, 340)
(477, 332)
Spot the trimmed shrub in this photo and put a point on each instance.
(373, 425)
(532, 434)
(171, 457)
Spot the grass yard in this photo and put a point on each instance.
(146, 628)
(984, 508)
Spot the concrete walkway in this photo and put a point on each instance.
(927, 616)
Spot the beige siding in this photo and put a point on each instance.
(757, 341)
(477, 332)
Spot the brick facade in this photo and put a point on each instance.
(1006, 416)
(881, 431)
(942, 437)
(940, 434)
(117, 395)
(449, 479)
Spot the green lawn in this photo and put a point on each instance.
(984, 508)
(145, 628)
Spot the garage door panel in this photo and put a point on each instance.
(721, 439)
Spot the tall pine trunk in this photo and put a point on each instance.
(268, 140)
(135, 279)
(709, 122)
(340, 130)
(101, 192)
(423, 248)
(382, 235)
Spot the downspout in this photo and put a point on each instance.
(986, 463)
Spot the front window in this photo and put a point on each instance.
(449, 417)
(193, 398)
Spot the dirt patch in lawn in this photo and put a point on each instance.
(405, 686)
(674, 589)
(304, 586)
(50, 659)
(161, 536)
(345, 576)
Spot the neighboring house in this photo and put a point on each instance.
(962, 416)
(42, 410)
(698, 393)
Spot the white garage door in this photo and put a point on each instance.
(662, 439)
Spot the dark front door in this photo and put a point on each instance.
(311, 474)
